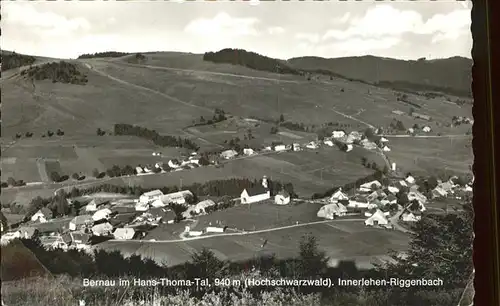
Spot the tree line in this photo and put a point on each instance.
(62, 72)
(157, 139)
(219, 116)
(103, 54)
(15, 60)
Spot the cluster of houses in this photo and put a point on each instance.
(193, 161)
(338, 135)
(120, 219)
(380, 203)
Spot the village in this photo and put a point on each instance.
(391, 204)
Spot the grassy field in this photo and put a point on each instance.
(432, 155)
(79, 154)
(341, 240)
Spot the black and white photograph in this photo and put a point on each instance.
(236, 153)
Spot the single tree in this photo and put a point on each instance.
(312, 261)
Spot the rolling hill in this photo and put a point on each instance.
(452, 75)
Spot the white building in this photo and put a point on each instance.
(42, 216)
(174, 164)
(282, 198)
(248, 151)
(312, 145)
(255, 194)
(296, 147)
(178, 197)
(158, 203)
(393, 190)
(102, 229)
(124, 233)
(330, 211)
(228, 154)
(139, 170)
(338, 195)
(378, 218)
(150, 196)
(79, 222)
(198, 209)
(409, 217)
(349, 147)
(393, 166)
(140, 206)
(213, 229)
(280, 148)
(386, 149)
(338, 134)
(383, 140)
(328, 143)
(101, 214)
(410, 179)
(426, 129)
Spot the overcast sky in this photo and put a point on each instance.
(406, 30)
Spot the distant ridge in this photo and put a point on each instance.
(451, 75)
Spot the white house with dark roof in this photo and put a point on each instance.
(338, 195)
(255, 194)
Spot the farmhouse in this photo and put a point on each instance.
(338, 196)
(178, 197)
(349, 148)
(372, 185)
(383, 139)
(296, 147)
(228, 154)
(408, 216)
(124, 233)
(42, 216)
(248, 151)
(282, 198)
(140, 206)
(101, 214)
(330, 211)
(338, 134)
(393, 190)
(80, 222)
(254, 194)
(328, 143)
(280, 148)
(103, 229)
(421, 116)
(312, 145)
(150, 196)
(416, 195)
(426, 129)
(158, 203)
(139, 170)
(411, 130)
(410, 179)
(174, 163)
(386, 149)
(377, 219)
(198, 208)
